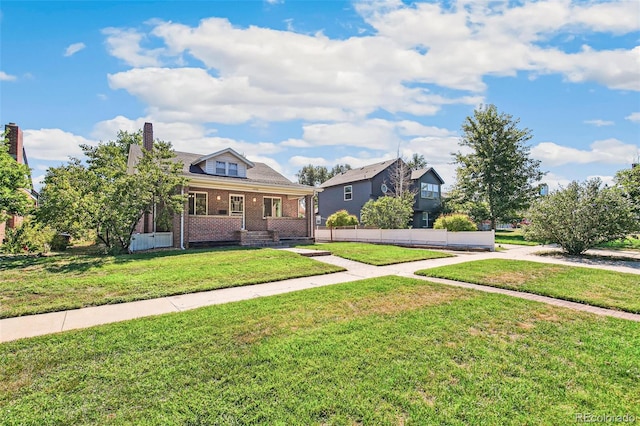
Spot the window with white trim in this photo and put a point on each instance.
(198, 203)
(425, 219)
(272, 207)
(221, 168)
(348, 193)
(233, 169)
(429, 190)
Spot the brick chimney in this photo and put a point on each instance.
(16, 148)
(147, 136)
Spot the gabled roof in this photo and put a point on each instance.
(219, 153)
(359, 174)
(417, 174)
(260, 177)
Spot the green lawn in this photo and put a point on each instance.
(513, 237)
(632, 242)
(377, 254)
(383, 351)
(596, 287)
(34, 285)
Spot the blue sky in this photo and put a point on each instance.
(290, 83)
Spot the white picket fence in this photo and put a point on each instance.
(150, 241)
(484, 240)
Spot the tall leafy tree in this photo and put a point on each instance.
(629, 182)
(337, 169)
(316, 175)
(498, 170)
(312, 175)
(14, 184)
(417, 162)
(103, 195)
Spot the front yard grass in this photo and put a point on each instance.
(382, 351)
(35, 285)
(513, 237)
(377, 254)
(607, 289)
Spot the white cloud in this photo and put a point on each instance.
(608, 151)
(125, 44)
(53, 144)
(74, 48)
(7, 77)
(600, 123)
(634, 116)
(186, 137)
(259, 73)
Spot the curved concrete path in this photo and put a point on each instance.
(36, 325)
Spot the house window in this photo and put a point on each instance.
(221, 168)
(429, 190)
(233, 169)
(425, 219)
(197, 203)
(348, 192)
(272, 207)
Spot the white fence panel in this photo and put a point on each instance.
(150, 241)
(427, 237)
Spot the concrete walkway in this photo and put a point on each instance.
(36, 325)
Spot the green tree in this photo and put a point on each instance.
(316, 175)
(103, 195)
(498, 171)
(341, 218)
(312, 175)
(417, 162)
(581, 216)
(14, 183)
(388, 212)
(629, 182)
(337, 169)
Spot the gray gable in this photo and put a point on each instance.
(417, 174)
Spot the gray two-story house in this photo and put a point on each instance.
(351, 189)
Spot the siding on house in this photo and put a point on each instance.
(367, 185)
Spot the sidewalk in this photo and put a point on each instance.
(36, 325)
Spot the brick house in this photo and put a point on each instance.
(351, 189)
(17, 151)
(233, 200)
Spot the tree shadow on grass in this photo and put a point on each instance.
(594, 259)
(74, 263)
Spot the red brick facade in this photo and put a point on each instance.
(219, 226)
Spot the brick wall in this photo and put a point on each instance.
(213, 228)
(288, 227)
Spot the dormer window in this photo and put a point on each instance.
(224, 163)
(221, 168)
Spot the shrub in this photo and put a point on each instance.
(30, 237)
(388, 212)
(581, 216)
(341, 218)
(455, 222)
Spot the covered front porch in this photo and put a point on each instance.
(221, 215)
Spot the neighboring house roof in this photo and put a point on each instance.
(260, 177)
(359, 174)
(417, 174)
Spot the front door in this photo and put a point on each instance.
(236, 203)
